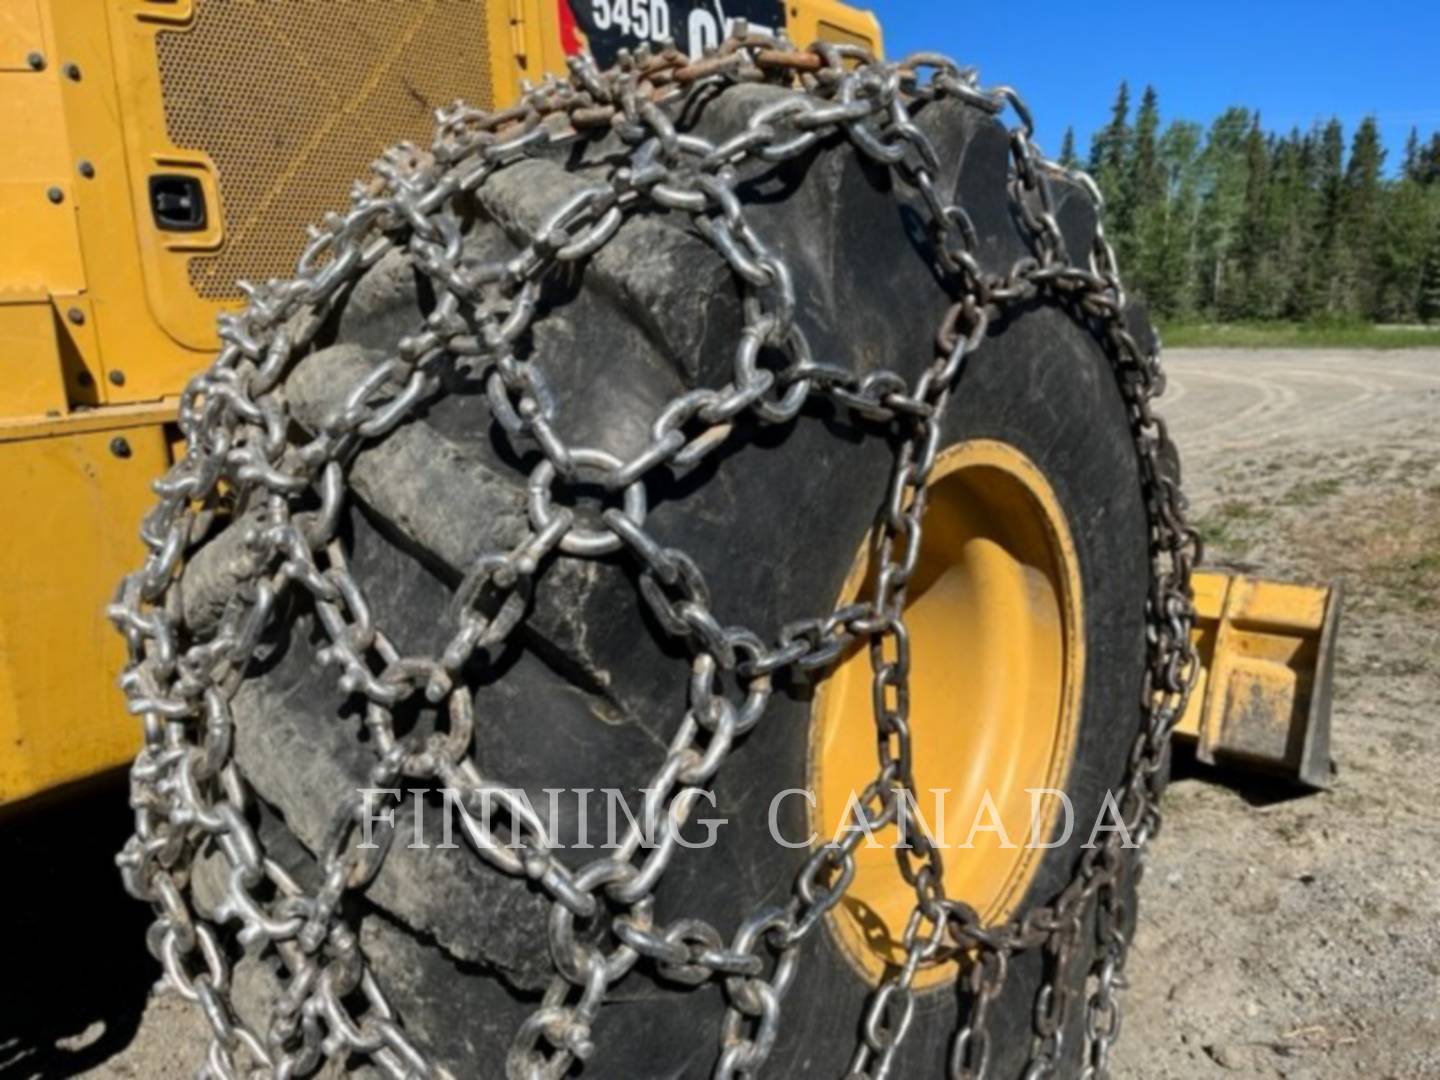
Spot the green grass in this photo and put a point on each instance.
(1312, 492)
(1417, 579)
(1386, 543)
(1283, 335)
(1229, 527)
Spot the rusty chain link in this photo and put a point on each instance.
(187, 789)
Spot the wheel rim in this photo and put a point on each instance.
(995, 614)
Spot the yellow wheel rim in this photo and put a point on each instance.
(995, 614)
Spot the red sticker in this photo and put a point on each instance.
(569, 32)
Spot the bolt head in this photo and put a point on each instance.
(55, 195)
(120, 447)
(36, 61)
(72, 71)
(76, 316)
(87, 170)
(117, 378)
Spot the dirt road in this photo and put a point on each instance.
(1280, 936)
(1290, 405)
(1300, 937)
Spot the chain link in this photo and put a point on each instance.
(182, 676)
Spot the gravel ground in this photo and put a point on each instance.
(1282, 935)
(1287, 936)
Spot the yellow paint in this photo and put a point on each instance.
(71, 509)
(124, 335)
(827, 20)
(101, 319)
(113, 418)
(1260, 645)
(996, 621)
(27, 344)
(20, 34)
(41, 250)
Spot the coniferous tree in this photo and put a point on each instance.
(1068, 157)
(1305, 284)
(1290, 212)
(1108, 147)
(1326, 251)
(1361, 219)
(1429, 300)
(1429, 168)
(1172, 288)
(1144, 191)
(1248, 296)
(1146, 183)
(1239, 223)
(1109, 151)
(1223, 173)
(1411, 170)
(1402, 242)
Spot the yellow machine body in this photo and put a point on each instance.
(269, 111)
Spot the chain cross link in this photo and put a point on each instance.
(186, 788)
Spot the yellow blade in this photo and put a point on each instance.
(1262, 700)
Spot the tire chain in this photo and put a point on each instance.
(187, 791)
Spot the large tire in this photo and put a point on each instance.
(588, 691)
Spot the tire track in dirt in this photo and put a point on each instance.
(1225, 403)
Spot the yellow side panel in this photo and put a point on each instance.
(72, 509)
(30, 356)
(20, 34)
(1211, 591)
(139, 361)
(37, 207)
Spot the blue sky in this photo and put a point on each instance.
(1295, 62)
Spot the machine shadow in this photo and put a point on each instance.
(1257, 789)
(76, 973)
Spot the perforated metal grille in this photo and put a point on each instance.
(293, 99)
